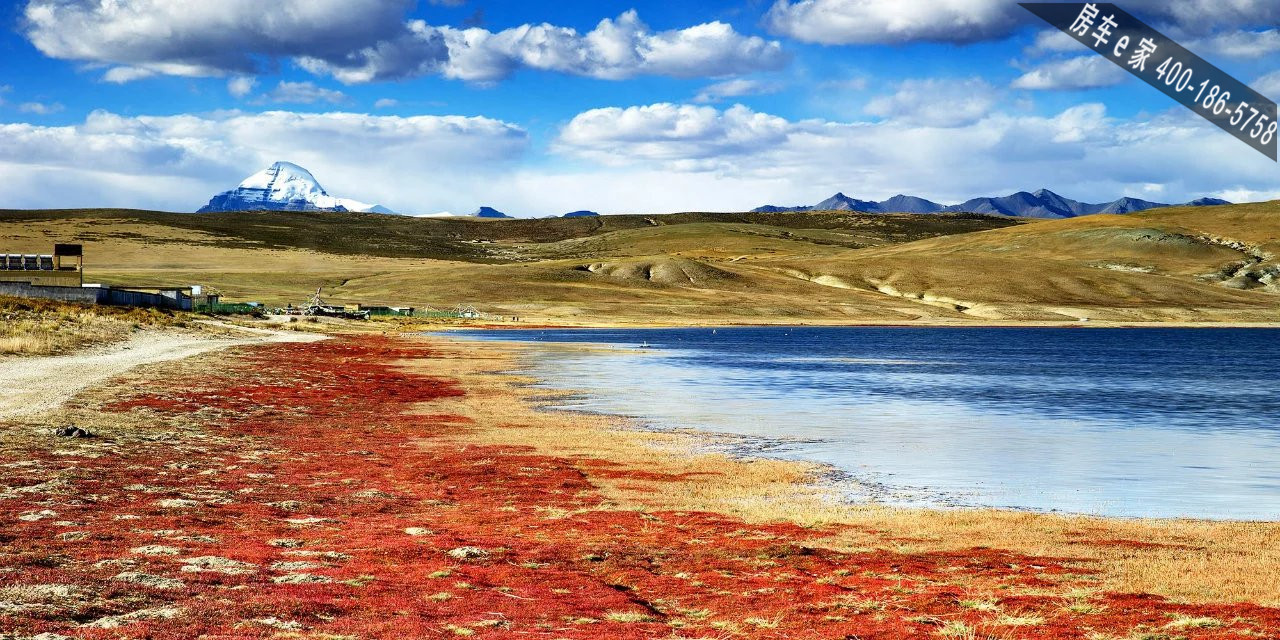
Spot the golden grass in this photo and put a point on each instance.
(1151, 267)
(1190, 560)
(43, 327)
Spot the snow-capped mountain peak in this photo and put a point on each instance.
(284, 186)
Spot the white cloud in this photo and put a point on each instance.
(1268, 85)
(963, 21)
(936, 102)
(1054, 41)
(739, 158)
(893, 21)
(41, 108)
(368, 40)
(616, 49)
(638, 159)
(241, 86)
(303, 93)
(680, 136)
(1081, 72)
(386, 103)
(178, 162)
(1239, 44)
(204, 38)
(735, 88)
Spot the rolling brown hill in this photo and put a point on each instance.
(1202, 264)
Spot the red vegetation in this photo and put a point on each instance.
(308, 455)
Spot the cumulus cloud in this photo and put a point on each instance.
(735, 88)
(386, 103)
(41, 108)
(616, 49)
(1268, 85)
(241, 86)
(936, 102)
(893, 21)
(1081, 72)
(178, 162)
(143, 37)
(1086, 153)
(680, 136)
(303, 93)
(1240, 44)
(1054, 41)
(359, 41)
(965, 21)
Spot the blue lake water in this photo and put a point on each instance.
(1120, 422)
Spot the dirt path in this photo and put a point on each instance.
(32, 385)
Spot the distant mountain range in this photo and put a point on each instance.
(1041, 204)
(284, 186)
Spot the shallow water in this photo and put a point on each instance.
(1119, 422)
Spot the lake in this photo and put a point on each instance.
(1116, 422)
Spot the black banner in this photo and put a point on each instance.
(1167, 66)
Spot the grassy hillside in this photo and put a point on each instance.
(367, 234)
(1183, 264)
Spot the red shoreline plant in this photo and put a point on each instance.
(311, 502)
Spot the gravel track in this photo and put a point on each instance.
(31, 385)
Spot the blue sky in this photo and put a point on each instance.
(539, 108)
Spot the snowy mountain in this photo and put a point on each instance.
(1041, 204)
(489, 212)
(284, 186)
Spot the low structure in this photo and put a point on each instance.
(380, 310)
(63, 268)
(60, 276)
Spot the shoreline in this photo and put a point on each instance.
(847, 485)
(394, 485)
(886, 325)
(944, 528)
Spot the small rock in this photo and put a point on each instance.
(148, 580)
(176, 503)
(295, 565)
(155, 613)
(217, 564)
(301, 578)
(310, 520)
(286, 543)
(418, 531)
(37, 516)
(155, 550)
(468, 553)
(276, 623)
(73, 432)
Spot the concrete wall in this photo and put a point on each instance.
(69, 278)
(98, 295)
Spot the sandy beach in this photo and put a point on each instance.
(394, 486)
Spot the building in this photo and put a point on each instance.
(380, 310)
(60, 276)
(63, 268)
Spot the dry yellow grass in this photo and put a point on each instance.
(1195, 561)
(1185, 265)
(41, 327)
